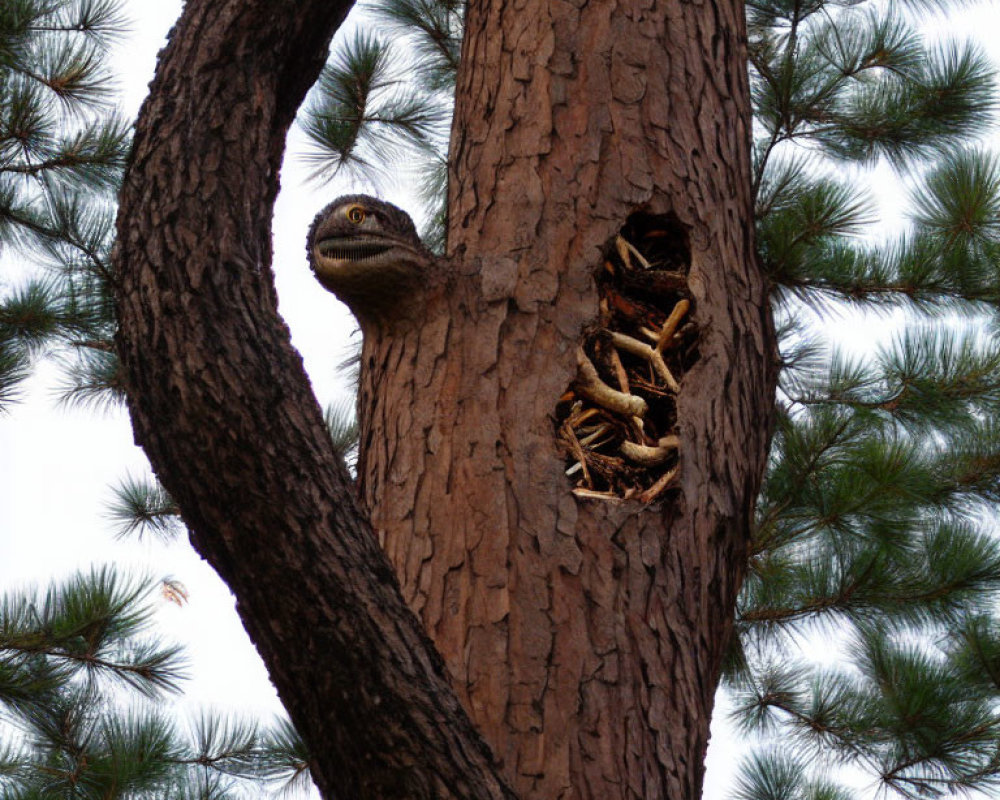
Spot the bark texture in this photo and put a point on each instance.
(584, 637)
(221, 404)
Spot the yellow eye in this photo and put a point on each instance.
(356, 214)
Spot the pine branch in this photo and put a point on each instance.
(343, 427)
(143, 507)
(90, 622)
(433, 28)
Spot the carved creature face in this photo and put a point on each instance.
(366, 252)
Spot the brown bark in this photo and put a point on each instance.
(584, 636)
(221, 404)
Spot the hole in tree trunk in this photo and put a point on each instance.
(617, 421)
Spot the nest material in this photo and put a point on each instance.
(617, 422)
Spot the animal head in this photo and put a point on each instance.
(367, 252)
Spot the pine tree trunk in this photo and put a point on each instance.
(584, 636)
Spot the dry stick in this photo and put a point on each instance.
(626, 248)
(643, 350)
(620, 374)
(622, 247)
(577, 418)
(658, 488)
(574, 443)
(590, 438)
(611, 497)
(646, 456)
(671, 324)
(589, 385)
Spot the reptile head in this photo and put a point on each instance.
(367, 252)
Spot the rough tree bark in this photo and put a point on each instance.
(583, 637)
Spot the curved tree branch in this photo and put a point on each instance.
(223, 408)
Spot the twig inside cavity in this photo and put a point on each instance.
(590, 386)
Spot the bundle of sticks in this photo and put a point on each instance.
(617, 422)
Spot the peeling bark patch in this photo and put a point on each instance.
(617, 421)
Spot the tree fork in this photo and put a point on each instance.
(221, 405)
(584, 636)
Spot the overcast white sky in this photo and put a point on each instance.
(57, 464)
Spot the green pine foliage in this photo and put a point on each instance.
(82, 715)
(364, 113)
(343, 427)
(141, 507)
(62, 151)
(875, 524)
